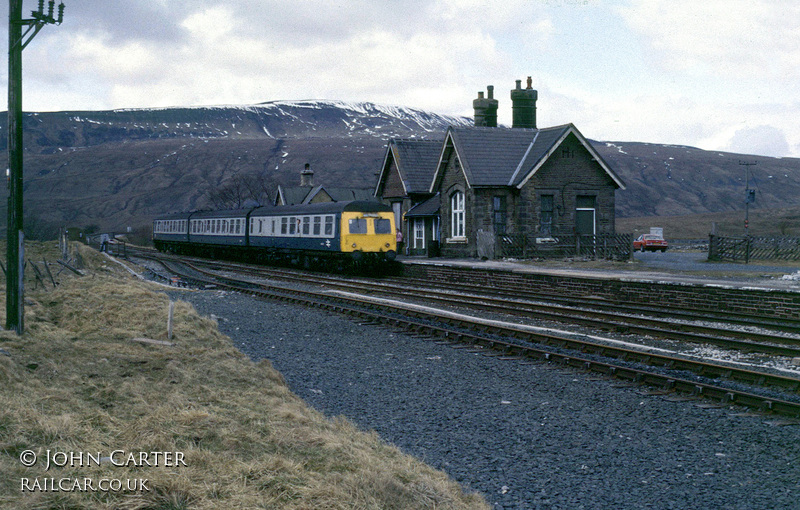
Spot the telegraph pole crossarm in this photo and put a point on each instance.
(17, 41)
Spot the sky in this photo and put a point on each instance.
(717, 74)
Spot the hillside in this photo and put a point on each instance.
(117, 169)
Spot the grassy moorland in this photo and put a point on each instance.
(81, 384)
(762, 222)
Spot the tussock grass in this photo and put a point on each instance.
(763, 222)
(76, 382)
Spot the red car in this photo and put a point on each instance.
(650, 242)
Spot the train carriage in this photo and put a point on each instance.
(361, 230)
(312, 234)
(227, 228)
(171, 231)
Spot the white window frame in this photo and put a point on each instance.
(457, 216)
(419, 233)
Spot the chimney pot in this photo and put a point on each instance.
(307, 176)
(485, 109)
(523, 105)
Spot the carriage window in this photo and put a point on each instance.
(284, 225)
(306, 225)
(260, 226)
(317, 225)
(292, 225)
(328, 225)
(383, 226)
(358, 226)
(274, 223)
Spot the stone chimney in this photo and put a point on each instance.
(523, 105)
(307, 176)
(486, 108)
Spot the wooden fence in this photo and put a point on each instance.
(604, 246)
(744, 249)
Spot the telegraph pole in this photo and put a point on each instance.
(17, 41)
(749, 195)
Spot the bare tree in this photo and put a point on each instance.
(242, 188)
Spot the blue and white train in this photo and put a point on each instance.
(324, 234)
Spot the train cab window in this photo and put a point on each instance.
(306, 225)
(383, 226)
(358, 226)
(317, 225)
(329, 226)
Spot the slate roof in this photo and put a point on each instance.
(429, 207)
(341, 194)
(511, 156)
(416, 162)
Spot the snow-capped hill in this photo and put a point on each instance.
(276, 119)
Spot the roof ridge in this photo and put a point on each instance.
(524, 157)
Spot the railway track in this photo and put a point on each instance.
(723, 384)
(613, 318)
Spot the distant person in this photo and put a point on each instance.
(399, 240)
(104, 243)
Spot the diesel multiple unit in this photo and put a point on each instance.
(312, 234)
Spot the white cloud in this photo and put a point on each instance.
(710, 74)
(765, 140)
(735, 38)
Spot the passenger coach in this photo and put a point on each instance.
(358, 231)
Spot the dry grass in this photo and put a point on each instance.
(76, 382)
(762, 222)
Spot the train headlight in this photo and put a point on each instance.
(387, 245)
(354, 245)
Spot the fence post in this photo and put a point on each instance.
(712, 247)
(747, 249)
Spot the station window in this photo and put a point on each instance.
(546, 215)
(499, 212)
(419, 233)
(457, 214)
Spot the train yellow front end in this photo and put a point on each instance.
(369, 234)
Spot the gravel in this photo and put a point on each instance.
(527, 436)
